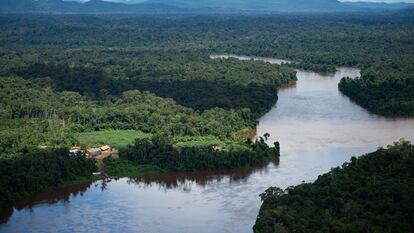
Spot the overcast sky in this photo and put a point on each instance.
(135, 1)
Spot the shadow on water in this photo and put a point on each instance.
(316, 125)
(176, 180)
(179, 180)
(62, 194)
(5, 214)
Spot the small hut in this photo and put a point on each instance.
(105, 148)
(93, 152)
(217, 147)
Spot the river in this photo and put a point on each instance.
(317, 126)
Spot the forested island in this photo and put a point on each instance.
(64, 78)
(372, 193)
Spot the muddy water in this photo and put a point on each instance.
(315, 115)
(318, 129)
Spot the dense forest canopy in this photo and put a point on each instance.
(387, 93)
(39, 170)
(38, 115)
(62, 75)
(160, 151)
(52, 92)
(191, 7)
(147, 49)
(372, 193)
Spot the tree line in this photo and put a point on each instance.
(372, 193)
(61, 74)
(38, 170)
(37, 115)
(385, 93)
(160, 151)
(147, 50)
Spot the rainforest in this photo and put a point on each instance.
(147, 88)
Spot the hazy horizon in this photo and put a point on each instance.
(138, 1)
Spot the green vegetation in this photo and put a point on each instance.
(161, 152)
(125, 168)
(115, 138)
(40, 170)
(56, 94)
(372, 193)
(385, 93)
(210, 141)
(198, 83)
(99, 79)
(35, 115)
(150, 51)
(206, 141)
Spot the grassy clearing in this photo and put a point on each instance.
(114, 138)
(121, 138)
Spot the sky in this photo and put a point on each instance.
(136, 1)
(390, 1)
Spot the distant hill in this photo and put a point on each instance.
(194, 6)
(93, 6)
(264, 5)
(380, 5)
(407, 11)
(172, 6)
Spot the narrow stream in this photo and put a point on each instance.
(317, 126)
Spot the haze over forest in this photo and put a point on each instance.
(189, 6)
(206, 116)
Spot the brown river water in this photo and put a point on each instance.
(317, 126)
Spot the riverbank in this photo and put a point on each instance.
(124, 168)
(392, 97)
(370, 193)
(318, 128)
(152, 154)
(164, 153)
(40, 170)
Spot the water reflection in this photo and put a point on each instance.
(5, 214)
(57, 195)
(315, 114)
(317, 126)
(208, 202)
(184, 180)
